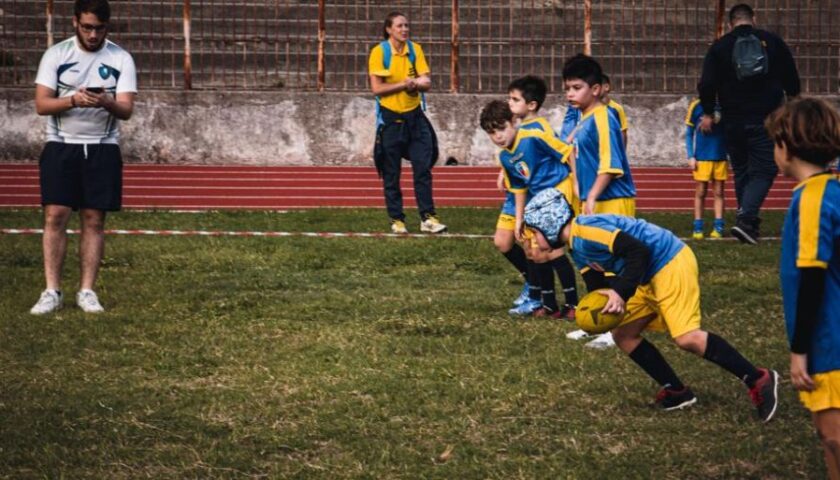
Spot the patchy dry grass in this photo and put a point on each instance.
(363, 358)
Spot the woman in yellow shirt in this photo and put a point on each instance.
(399, 75)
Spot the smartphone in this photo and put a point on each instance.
(96, 90)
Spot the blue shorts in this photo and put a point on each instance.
(81, 176)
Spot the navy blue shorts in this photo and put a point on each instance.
(80, 176)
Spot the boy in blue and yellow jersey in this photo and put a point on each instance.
(656, 286)
(806, 133)
(572, 117)
(605, 184)
(707, 160)
(532, 160)
(526, 96)
(616, 108)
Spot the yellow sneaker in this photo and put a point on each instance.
(715, 234)
(697, 235)
(398, 226)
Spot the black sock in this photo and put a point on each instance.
(653, 363)
(516, 256)
(546, 275)
(720, 352)
(534, 282)
(567, 278)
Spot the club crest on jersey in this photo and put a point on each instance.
(104, 72)
(522, 169)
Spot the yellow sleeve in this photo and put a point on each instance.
(420, 64)
(605, 150)
(810, 206)
(376, 65)
(622, 117)
(690, 113)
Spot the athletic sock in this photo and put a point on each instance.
(566, 273)
(516, 256)
(698, 225)
(720, 352)
(546, 275)
(534, 292)
(718, 225)
(654, 364)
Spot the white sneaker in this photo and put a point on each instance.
(577, 335)
(50, 301)
(602, 341)
(88, 302)
(432, 225)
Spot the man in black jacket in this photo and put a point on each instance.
(745, 100)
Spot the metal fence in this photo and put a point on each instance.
(472, 46)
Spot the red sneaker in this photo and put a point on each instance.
(668, 399)
(764, 394)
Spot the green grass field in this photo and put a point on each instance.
(364, 358)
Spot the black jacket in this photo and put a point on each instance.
(751, 100)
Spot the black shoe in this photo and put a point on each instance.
(764, 394)
(668, 399)
(745, 233)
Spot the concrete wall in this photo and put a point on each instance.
(268, 128)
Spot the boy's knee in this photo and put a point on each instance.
(692, 341)
(502, 243)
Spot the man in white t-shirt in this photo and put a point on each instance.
(85, 86)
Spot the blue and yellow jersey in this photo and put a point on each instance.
(399, 69)
(537, 123)
(698, 145)
(536, 161)
(570, 121)
(811, 238)
(600, 149)
(618, 110)
(592, 236)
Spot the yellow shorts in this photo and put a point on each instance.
(506, 222)
(711, 170)
(673, 296)
(617, 206)
(827, 394)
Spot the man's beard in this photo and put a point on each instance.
(83, 43)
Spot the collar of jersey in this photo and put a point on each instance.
(520, 134)
(818, 177)
(592, 112)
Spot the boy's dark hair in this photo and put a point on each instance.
(605, 79)
(389, 20)
(100, 8)
(809, 128)
(583, 67)
(742, 11)
(494, 115)
(533, 89)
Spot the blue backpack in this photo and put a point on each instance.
(386, 62)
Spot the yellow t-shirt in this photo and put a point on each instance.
(401, 68)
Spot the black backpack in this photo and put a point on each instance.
(749, 57)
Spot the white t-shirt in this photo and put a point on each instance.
(65, 68)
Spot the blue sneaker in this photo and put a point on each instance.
(527, 308)
(523, 295)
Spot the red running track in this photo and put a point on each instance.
(193, 187)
